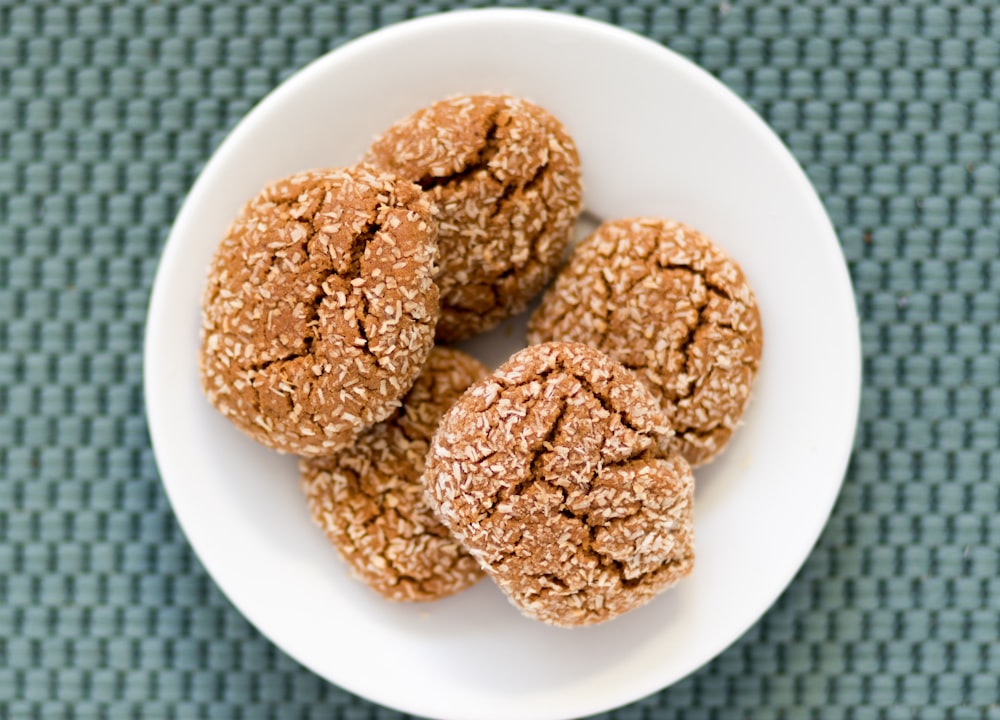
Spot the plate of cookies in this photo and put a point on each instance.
(502, 363)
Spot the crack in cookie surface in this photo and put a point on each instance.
(555, 474)
(475, 160)
(505, 177)
(320, 307)
(663, 300)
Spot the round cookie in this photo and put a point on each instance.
(505, 177)
(320, 307)
(669, 304)
(369, 498)
(554, 473)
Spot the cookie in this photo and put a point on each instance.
(320, 307)
(555, 474)
(369, 498)
(505, 176)
(669, 304)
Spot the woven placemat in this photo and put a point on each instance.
(109, 109)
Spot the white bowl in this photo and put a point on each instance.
(657, 136)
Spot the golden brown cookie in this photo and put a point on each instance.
(505, 176)
(554, 473)
(369, 498)
(320, 307)
(666, 302)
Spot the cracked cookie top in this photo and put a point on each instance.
(555, 474)
(320, 307)
(369, 498)
(673, 307)
(505, 177)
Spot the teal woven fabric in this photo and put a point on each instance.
(107, 111)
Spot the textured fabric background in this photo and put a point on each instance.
(107, 111)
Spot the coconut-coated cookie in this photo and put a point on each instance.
(555, 474)
(369, 498)
(320, 307)
(672, 306)
(505, 176)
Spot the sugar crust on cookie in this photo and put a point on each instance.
(673, 307)
(505, 176)
(369, 498)
(320, 307)
(554, 472)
